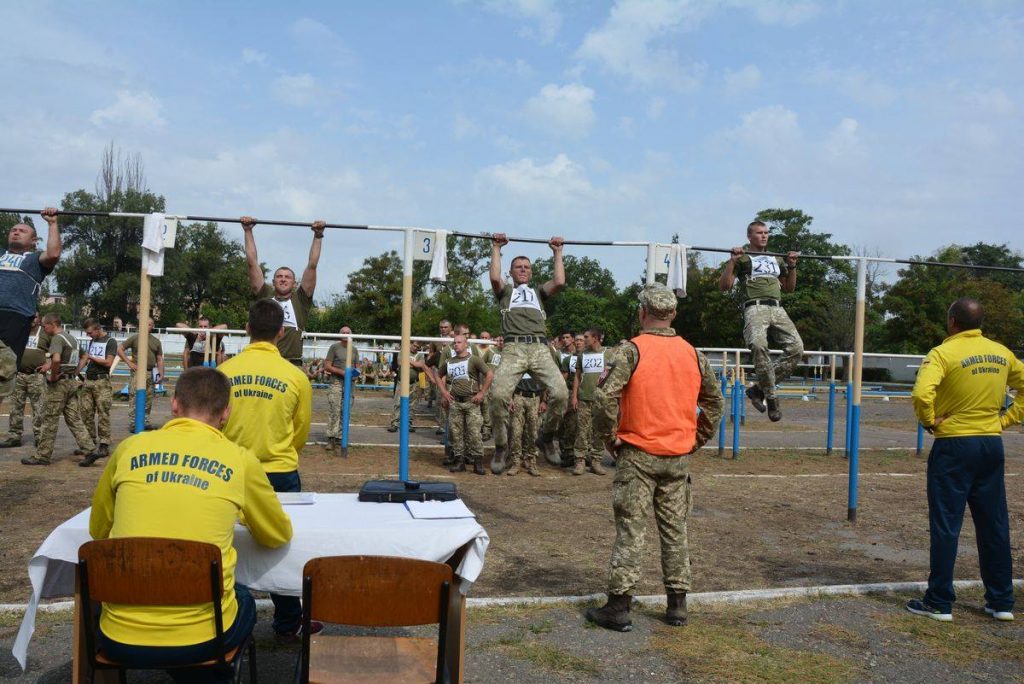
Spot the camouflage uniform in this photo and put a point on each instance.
(644, 481)
(589, 446)
(96, 396)
(150, 389)
(8, 369)
(416, 393)
(30, 385)
(567, 430)
(336, 389)
(525, 422)
(62, 398)
(464, 417)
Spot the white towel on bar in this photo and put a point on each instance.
(439, 265)
(677, 270)
(153, 244)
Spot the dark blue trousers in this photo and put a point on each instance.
(287, 609)
(152, 656)
(968, 471)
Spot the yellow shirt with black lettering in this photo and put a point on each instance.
(271, 405)
(963, 381)
(184, 481)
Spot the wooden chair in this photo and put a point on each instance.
(147, 571)
(374, 591)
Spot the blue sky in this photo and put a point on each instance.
(897, 125)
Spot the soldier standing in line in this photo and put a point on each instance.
(29, 385)
(527, 405)
(417, 366)
(441, 352)
(295, 299)
(334, 366)
(562, 350)
(61, 394)
(96, 395)
(762, 280)
(660, 381)
(593, 363)
(467, 380)
(154, 360)
(486, 352)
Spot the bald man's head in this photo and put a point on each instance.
(966, 313)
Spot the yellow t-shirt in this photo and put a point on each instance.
(964, 380)
(271, 405)
(184, 481)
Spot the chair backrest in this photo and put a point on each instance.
(151, 571)
(377, 591)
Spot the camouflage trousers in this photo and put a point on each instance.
(149, 396)
(62, 399)
(762, 324)
(464, 421)
(31, 387)
(643, 481)
(518, 358)
(525, 420)
(485, 410)
(335, 400)
(8, 369)
(416, 393)
(567, 436)
(96, 399)
(588, 444)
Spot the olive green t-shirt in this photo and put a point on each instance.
(296, 312)
(758, 276)
(34, 355)
(464, 376)
(336, 355)
(65, 345)
(522, 310)
(155, 349)
(104, 347)
(590, 366)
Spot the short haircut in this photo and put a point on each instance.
(284, 268)
(568, 332)
(35, 233)
(51, 318)
(203, 318)
(463, 327)
(515, 259)
(596, 332)
(443, 321)
(202, 390)
(967, 313)
(90, 323)
(265, 320)
(755, 223)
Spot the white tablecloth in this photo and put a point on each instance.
(336, 525)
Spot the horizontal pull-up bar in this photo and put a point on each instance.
(340, 226)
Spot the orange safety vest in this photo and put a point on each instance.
(658, 410)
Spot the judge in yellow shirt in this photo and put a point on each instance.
(271, 403)
(185, 481)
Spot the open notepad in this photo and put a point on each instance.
(296, 498)
(437, 510)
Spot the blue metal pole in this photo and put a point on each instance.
(849, 417)
(920, 438)
(831, 416)
(346, 398)
(403, 438)
(725, 415)
(737, 407)
(851, 512)
(140, 411)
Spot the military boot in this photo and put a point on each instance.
(675, 609)
(514, 468)
(103, 450)
(10, 442)
(546, 444)
(579, 467)
(457, 466)
(596, 467)
(479, 469)
(498, 460)
(530, 465)
(613, 615)
(774, 414)
(756, 397)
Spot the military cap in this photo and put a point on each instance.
(659, 301)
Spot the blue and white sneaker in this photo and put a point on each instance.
(1001, 615)
(919, 607)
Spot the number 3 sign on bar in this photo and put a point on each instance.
(423, 241)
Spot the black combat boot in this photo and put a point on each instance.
(675, 611)
(498, 460)
(613, 615)
(774, 414)
(756, 397)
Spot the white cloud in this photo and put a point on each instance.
(994, 102)
(139, 109)
(856, 84)
(319, 39)
(250, 56)
(561, 181)
(298, 90)
(781, 12)
(464, 127)
(844, 142)
(631, 43)
(742, 80)
(768, 128)
(656, 107)
(565, 110)
(542, 14)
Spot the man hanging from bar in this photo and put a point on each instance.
(524, 329)
(762, 280)
(295, 300)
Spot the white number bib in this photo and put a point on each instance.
(496, 359)
(593, 363)
(33, 342)
(11, 262)
(524, 297)
(764, 267)
(199, 346)
(572, 363)
(459, 369)
(98, 349)
(289, 313)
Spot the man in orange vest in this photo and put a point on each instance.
(660, 382)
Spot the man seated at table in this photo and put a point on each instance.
(185, 481)
(271, 405)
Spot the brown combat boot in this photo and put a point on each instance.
(546, 444)
(596, 467)
(579, 467)
(513, 469)
(774, 414)
(675, 610)
(613, 615)
(498, 462)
